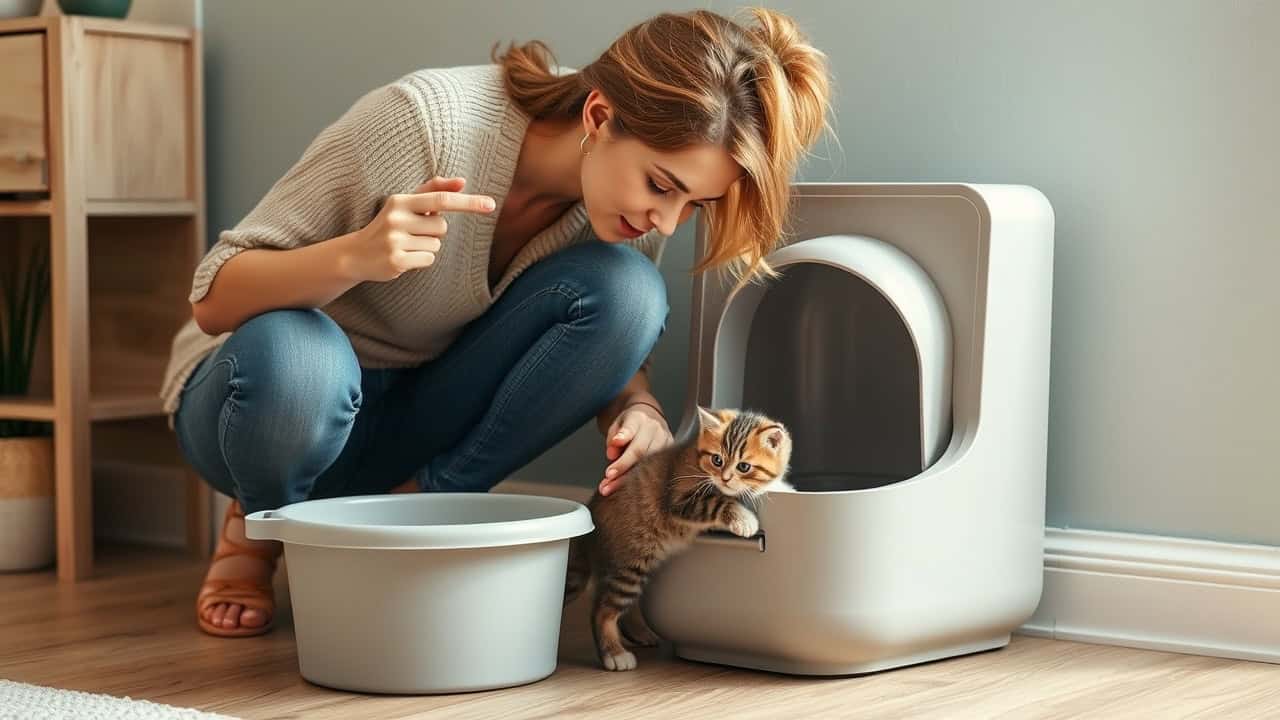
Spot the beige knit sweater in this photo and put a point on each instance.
(436, 122)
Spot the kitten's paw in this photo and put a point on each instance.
(745, 523)
(622, 661)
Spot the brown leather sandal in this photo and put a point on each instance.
(240, 591)
(408, 486)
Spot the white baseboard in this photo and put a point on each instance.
(1143, 591)
(1159, 593)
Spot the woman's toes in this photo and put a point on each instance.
(233, 615)
(232, 618)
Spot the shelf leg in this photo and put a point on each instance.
(68, 233)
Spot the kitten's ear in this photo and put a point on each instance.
(773, 438)
(709, 420)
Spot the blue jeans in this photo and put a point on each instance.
(282, 411)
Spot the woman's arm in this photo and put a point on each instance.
(636, 428)
(250, 283)
(321, 212)
(636, 389)
(405, 235)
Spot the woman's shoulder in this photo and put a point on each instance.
(459, 85)
(443, 101)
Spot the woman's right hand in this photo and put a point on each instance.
(408, 230)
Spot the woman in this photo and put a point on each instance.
(482, 241)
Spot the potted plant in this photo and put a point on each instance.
(100, 8)
(19, 8)
(26, 448)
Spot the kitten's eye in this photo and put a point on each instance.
(744, 468)
(717, 460)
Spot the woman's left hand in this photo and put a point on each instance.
(638, 430)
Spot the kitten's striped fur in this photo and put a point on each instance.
(663, 503)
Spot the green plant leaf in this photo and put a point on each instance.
(24, 286)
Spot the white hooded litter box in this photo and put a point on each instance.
(425, 593)
(906, 347)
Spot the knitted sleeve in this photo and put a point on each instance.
(381, 145)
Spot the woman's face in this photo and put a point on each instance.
(629, 188)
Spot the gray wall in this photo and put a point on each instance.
(1149, 125)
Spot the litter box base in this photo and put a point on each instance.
(800, 667)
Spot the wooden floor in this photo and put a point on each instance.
(129, 631)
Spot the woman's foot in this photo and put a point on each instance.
(236, 598)
(408, 486)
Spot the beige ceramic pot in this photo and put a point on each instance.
(26, 503)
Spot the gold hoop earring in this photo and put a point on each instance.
(582, 146)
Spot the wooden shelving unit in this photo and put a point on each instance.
(102, 157)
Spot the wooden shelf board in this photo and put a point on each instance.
(115, 406)
(25, 208)
(115, 26)
(140, 208)
(27, 23)
(125, 406)
(103, 208)
(26, 408)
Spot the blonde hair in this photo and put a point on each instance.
(761, 91)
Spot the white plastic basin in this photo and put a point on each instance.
(428, 592)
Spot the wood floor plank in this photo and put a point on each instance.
(130, 631)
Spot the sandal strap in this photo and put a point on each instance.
(240, 591)
(236, 547)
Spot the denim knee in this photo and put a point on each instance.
(294, 393)
(625, 292)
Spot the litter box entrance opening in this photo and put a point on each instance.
(830, 357)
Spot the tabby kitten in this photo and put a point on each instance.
(666, 500)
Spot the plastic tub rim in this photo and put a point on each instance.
(572, 520)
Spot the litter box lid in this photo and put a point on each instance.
(893, 275)
(422, 521)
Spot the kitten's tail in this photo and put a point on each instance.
(579, 570)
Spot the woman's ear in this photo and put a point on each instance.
(596, 112)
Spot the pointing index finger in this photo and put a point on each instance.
(442, 201)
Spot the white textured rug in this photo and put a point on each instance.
(29, 702)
